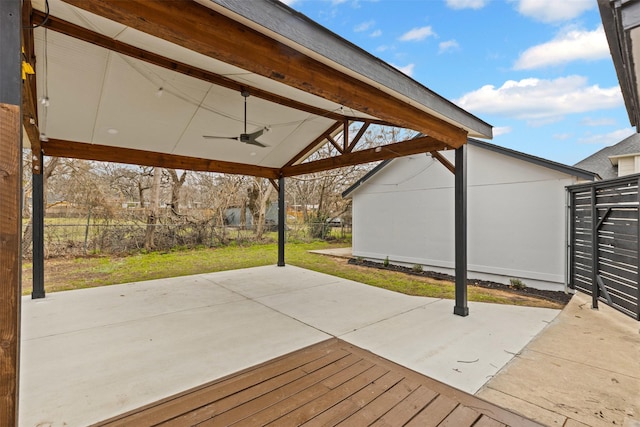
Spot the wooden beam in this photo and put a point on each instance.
(306, 151)
(274, 184)
(81, 33)
(29, 91)
(79, 150)
(424, 144)
(10, 212)
(10, 285)
(345, 136)
(334, 143)
(358, 136)
(447, 164)
(204, 30)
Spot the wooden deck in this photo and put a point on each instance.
(327, 384)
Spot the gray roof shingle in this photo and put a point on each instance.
(599, 162)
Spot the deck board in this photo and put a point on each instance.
(327, 384)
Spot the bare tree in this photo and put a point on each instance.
(176, 186)
(154, 209)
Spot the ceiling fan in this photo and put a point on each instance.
(247, 138)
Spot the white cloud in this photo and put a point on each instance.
(467, 4)
(376, 33)
(541, 101)
(589, 121)
(501, 130)
(288, 2)
(407, 69)
(562, 136)
(364, 26)
(448, 46)
(607, 138)
(554, 10)
(569, 45)
(418, 34)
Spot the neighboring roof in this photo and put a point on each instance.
(539, 161)
(600, 162)
(621, 22)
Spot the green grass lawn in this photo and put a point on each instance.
(76, 273)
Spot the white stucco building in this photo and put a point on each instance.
(404, 210)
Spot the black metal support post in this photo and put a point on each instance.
(461, 308)
(38, 231)
(595, 289)
(282, 221)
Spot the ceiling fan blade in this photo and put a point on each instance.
(258, 143)
(221, 137)
(251, 138)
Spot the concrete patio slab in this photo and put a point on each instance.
(462, 352)
(344, 306)
(583, 370)
(91, 354)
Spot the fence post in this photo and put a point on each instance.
(638, 255)
(594, 250)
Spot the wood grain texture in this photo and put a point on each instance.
(210, 33)
(420, 145)
(327, 384)
(78, 150)
(10, 286)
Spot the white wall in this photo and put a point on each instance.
(516, 217)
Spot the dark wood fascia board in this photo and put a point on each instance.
(423, 144)
(206, 31)
(79, 150)
(86, 35)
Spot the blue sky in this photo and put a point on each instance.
(539, 71)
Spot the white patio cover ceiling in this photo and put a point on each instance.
(100, 95)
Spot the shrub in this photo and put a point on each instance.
(417, 268)
(386, 261)
(516, 284)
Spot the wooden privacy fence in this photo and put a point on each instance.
(604, 248)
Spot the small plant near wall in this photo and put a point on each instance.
(417, 268)
(517, 284)
(386, 261)
(359, 260)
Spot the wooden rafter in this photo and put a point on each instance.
(358, 136)
(204, 30)
(399, 149)
(78, 150)
(345, 136)
(446, 163)
(306, 151)
(29, 92)
(335, 144)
